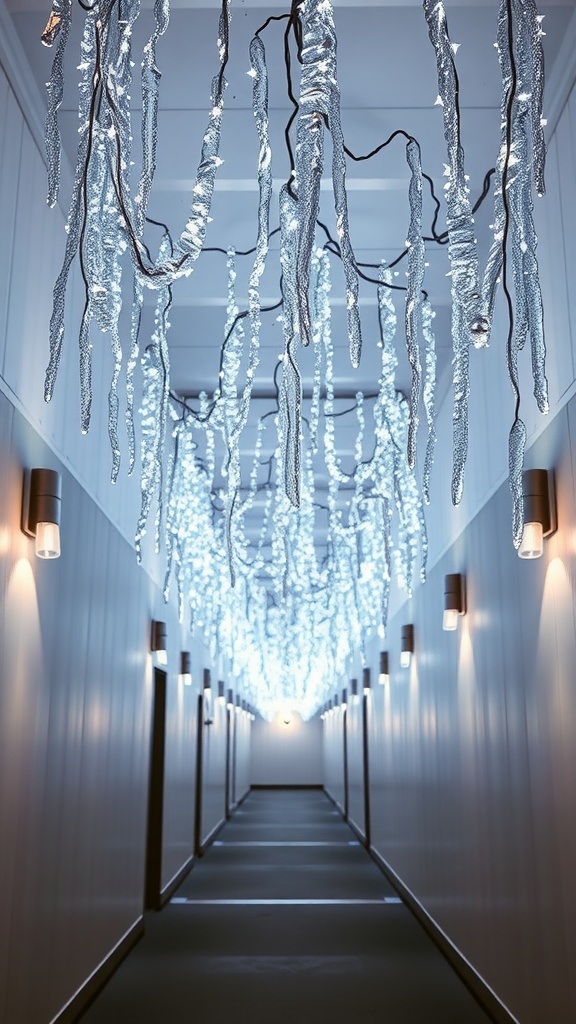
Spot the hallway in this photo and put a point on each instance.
(285, 918)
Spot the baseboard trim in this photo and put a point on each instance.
(475, 983)
(211, 837)
(357, 831)
(169, 889)
(287, 785)
(337, 805)
(80, 1001)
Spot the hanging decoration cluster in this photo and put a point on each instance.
(291, 604)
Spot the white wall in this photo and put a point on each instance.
(333, 758)
(75, 668)
(473, 751)
(287, 754)
(75, 711)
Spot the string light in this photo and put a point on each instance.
(288, 610)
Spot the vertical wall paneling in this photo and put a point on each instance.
(75, 711)
(243, 728)
(335, 761)
(473, 752)
(355, 764)
(10, 155)
(213, 782)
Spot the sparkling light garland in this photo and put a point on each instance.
(291, 603)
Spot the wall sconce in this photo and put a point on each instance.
(185, 668)
(221, 697)
(230, 700)
(207, 695)
(366, 682)
(41, 511)
(158, 642)
(406, 645)
(384, 677)
(286, 716)
(539, 511)
(454, 604)
(344, 703)
(354, 690)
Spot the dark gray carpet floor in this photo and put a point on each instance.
(274, 963)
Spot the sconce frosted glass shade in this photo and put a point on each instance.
(450, 619)
(47, 542)
(207, 683)
(41, 511)
(384, 675)
(366, 681)
(354, 690)
(406, 645)
(230, 700)
(532, 543)
(539, 511)
(221, 697)
(344, 703)
(453, 600)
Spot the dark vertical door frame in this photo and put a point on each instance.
(153, 876)
(233, 726)
(367, 829)
(227, 796)
(199, 779)
(345, 755)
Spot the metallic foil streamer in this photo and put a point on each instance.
(290, 428)
(469, 317)
(58, 27)
(149, 128)
(429, 391)
(320, 106)
(154, 415)
(415, 281)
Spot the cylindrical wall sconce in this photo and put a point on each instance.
(159, 642)
(366, 681)
(453, 600)
(230, 700)
(354, 690)
(185, 668)
(406, 645)
(344, 703)
(41, 511)
(384, 676)
(221, 697)
(539, 511)
(206, 683)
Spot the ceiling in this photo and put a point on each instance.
(387, 79)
